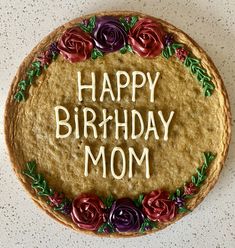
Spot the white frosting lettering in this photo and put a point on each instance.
(101, 154)
(104, 123)
(107, 88)
(166, 124)
(119, 85)
(62, 122)
(77, 134)
(151, 126)
(152, 85)
(118, 149)
(89, 123)
(135, 114)
(121, 124)
(145, 155)
(91, 86)
(97, 122)
(134, 83)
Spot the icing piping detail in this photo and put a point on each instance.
(121, 215)
(192, 63)
(41, 62)
(56, 200)
(96, 36)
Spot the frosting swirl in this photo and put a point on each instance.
(45, 58)
(88, 212)
(75, 45)
(109, 34)
(158, 207)
(190, 189)
(181, 54)
(146, 38)
(125, 216)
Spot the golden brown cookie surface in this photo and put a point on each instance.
(199, 124)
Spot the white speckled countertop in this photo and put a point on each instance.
(23, 23)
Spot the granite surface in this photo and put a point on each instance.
(23, 23)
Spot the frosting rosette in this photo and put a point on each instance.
(45, 58)
(125, 216)
(88, 212)
(158, 207)
(146, 38)
(109, 34)
(75, 45)
(190, 189)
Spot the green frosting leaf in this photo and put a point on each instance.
(201, 173)
(91, 25)
(169, 50)
(31, 166)
(61, 206)
(104, 226)
(172, 196)
(208, 88)
(36, 69)
(23, 85)
(36, 64)
(183, 210)
(19, 96)
(176, 46)
(193, 179)
(54, 56)
(178, 193)
(124, 23)
(188, 196)
(134, 19)
(38, 181)
(96, 53)
(109, 201)
(165, 53)
(125, 49)
(128, 25)
(139, 200)
(147, 224)
(208, 158)
(195, 67)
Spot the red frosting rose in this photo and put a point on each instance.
(158, 207)
(146, 38)
(75, 45)
(181, 54)
(88, 212)
(190, 189)
(45, 58)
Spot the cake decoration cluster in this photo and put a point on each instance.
(144, 37)
(194, 64)
(55, 199)
(75, 45)
(94, 37)
(91, 212)
(42, 62)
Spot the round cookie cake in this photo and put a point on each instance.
(117, 124)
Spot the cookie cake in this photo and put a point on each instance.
(117, 124)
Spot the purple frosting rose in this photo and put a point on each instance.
(125, 216)
(109, 34)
